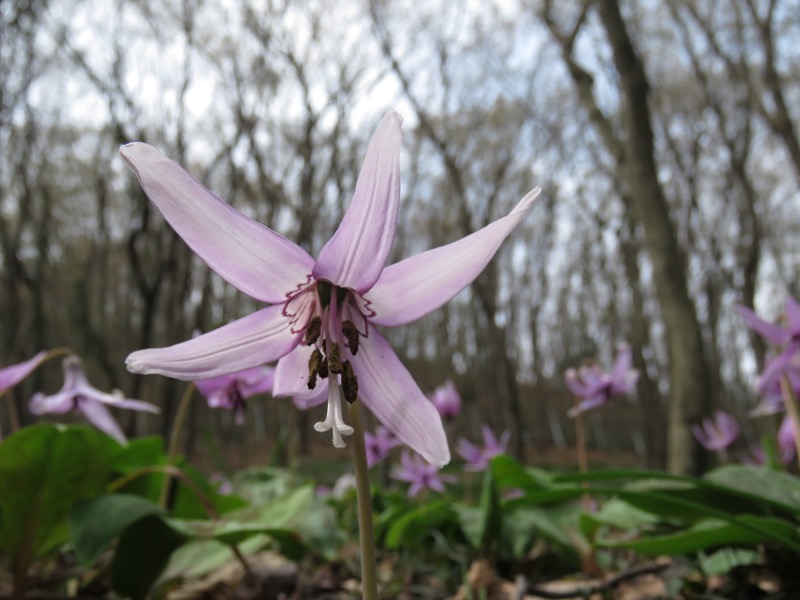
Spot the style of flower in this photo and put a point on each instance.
(717, 433)
(447, 400)
(595, 387)
(231, 391)
(379, 444)
(322, 315)
(421, 474)
(477, 457)
(78, 394)
(786, 338)
(12, 375)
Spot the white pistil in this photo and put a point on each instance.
(334, 420)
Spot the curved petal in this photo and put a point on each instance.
(291, 374)
(11, 376)
(58, 403)
(417, 285)
(774, 334)
(259, 338)
(389, 391)
(98, 415)
(356, 254)
(249, 256)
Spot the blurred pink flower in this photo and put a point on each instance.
(379, 444)
(421, 474)
(786, 338)
(717, 433)
(447, 400)
(595, 387)
(230, 391)
(477, 457)
(12, 375)
(78, 394)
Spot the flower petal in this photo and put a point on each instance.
(291, 379)
(356, 254)
(261, 337)
(389, 391)
(417, 285)
(249, 256)
(58, 403)
(97, 414)
(774, 334)
(11, 376)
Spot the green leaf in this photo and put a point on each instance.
(509, 474)
(722, 561)
(713, 533)
(95, 523)
(142, 553)
(199, 557)
(44, 470)
(778, 488)
(414, 526)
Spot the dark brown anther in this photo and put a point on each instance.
(314, 364)
(335, 359)
(349, 382)
(351, 334)
(313, 330)
(323, 368)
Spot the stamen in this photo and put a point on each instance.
(313, 330)
(350, 332)
(323, 368)
(349, 382)
(314, 363)
(333, 419)
(335, 359)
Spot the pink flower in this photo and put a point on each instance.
(786, 338)
(379, 444)
(420, 474)
(321, 318)
(717, 433)
(596, 387)
(446, 400)
(78, 394)
(11, 376)
(230, 391)
(476, 457)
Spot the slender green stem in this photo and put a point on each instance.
(175, 438)
(369, 581)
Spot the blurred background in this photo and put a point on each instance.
(665, 136)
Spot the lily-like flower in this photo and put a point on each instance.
(717, 433)
(12, 375)
(379, 444)
(786, 338)
(78, 394)
(230, 391)
(322, 315)
(595, 387)
(421, 474)
(477, 457)
(447, 400)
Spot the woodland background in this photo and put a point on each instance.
(665, 135)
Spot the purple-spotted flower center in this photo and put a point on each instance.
(332, 319)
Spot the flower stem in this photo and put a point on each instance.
(175, 438)
(369, 582)
(791, 407)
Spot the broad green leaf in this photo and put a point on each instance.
(95, 523)
(415, 525)
(142, 553)
(509, 474)
(713, 533)
(199, 557)
(776, 487)
(622, 515)
(44, 470)
(722, 561)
